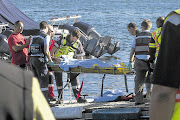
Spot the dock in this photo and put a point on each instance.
(121, 110)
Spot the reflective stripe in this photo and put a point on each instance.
(152, 46)
(44, 89)
(50, 85)
(75, 87)
(178, 96)
(143, 37)
(155, 38)
(59, 87)
(141, 48)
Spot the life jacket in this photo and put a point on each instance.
(156, 35)
(66, 48)
(142, 43)
(37, 44)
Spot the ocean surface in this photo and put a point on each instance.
(108, 17)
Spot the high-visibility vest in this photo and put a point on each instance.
(66, 49)
(157, 40)
(176, 114)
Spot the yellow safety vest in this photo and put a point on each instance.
(65, 49)
(176, 114)
(157, 40)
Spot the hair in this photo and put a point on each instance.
(76, 33)
(17, 23)
(43, 25)
(132, 25)
(147, 24)
(160, 22)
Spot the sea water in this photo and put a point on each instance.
(108, 17)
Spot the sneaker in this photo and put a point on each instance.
(81, 100)
(52, 105)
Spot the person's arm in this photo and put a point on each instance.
(132, 53)
(80, 51)
(54, 48)
(19, 47)
(46, 47)
(152, 50)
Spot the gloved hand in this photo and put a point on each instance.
(51, 63)
(130, 65)
(152, 65)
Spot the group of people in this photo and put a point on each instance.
(155, 58)
(38, 51)
(156, 61)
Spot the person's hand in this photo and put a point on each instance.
(51, 63)
(29, 39)
(130, 65)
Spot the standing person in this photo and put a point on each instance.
(156, 40)
(133, 30)
(51, 33)
(29, 103)
(68, 47)
(18, 45)
(39, 56)
(140, 48)
(166, 73)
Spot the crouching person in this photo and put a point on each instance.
(70, 45)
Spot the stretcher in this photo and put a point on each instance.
(95, 69)
(115, 70)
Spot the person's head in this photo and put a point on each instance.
(18, 27)
(159, 22)
(132, 28)
(146, 25)
(75, 35)
(44, 26)
(51, 31)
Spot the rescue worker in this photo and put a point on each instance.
(166, 75)
(29, 103)
(40, 56)
(156, 40)
(133, 30)
(140, 47)
(53, 44)
(70, 44)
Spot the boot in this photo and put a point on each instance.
(51, 94)
(60, 97)
(81, 100)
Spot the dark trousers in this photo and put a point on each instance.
(141, 68)
(74, 83)
(40, 70)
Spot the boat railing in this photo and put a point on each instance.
(61, 19)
